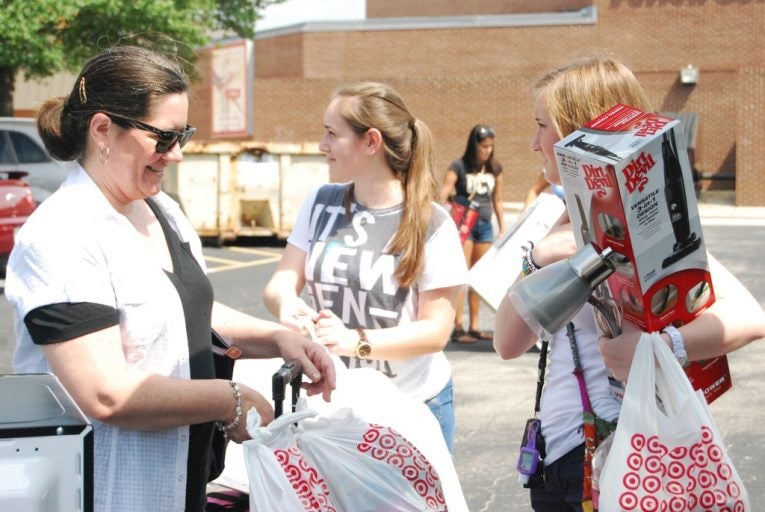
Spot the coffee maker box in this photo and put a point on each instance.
(629, 186)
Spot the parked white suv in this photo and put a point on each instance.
(21, 149)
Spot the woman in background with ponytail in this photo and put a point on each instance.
(379, 256)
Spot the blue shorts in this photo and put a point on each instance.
(482, 231)
(563, 484)
(442, 407)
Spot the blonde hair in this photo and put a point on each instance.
(408, 147)
(582, 90)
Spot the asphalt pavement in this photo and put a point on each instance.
(493, 398)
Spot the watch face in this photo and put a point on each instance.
(363, 350)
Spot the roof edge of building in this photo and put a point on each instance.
(584, 16)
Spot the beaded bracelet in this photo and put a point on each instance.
(527, 262)
(238, 417)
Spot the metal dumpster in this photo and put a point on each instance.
(230, 190)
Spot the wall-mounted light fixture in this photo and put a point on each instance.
(689, 75)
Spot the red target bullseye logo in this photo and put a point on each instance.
(654, 446)
(707, 479)
(675, 487)
(724, 471)
(715, 453)
(720, 497)
(651, 483)
(700, 458)
(675, 469)
(707, 436)
(404, 451)
(387, 441)
(707, 499)
(628, 501)
(371, 435)
(653, 465)
(631, 481)
(410, 473)
(694, 476)
(678, 452)
(649, 504)
(678, 504)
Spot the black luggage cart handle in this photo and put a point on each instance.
(290, 373)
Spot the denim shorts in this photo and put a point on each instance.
(563, 484)
(482, 231)
(442, 407)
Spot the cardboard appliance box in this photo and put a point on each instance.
(498, 269)
(628, 185)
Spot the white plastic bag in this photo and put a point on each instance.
(279, 477)
(339, 463)
(669, 455)
(375, 398)
(372, 396)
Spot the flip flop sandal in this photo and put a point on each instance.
(461, 336)
(481, 335)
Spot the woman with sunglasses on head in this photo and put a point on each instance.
(379, 256)
(107, 280)
(475, 178)
(733, 320)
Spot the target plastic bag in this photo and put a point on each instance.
(339, 463)
(375, 398)
(667, 453)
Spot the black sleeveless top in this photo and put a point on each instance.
(196, 294)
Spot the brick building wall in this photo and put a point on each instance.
(453, 78)
(750, 188)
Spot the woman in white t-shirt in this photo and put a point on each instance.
(108, 285)
(734, 320)
(379, 257)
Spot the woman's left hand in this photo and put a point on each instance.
(333, 334)
(617, 352)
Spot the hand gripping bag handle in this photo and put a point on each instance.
(666, 433)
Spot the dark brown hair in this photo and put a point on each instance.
(478, 134)
(123, 80)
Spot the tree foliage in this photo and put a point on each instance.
(42, 37)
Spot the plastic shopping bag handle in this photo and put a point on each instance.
(656, 373)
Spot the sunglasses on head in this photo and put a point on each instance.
(484, 132)
(165, 139)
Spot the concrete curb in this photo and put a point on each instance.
(712, 214)
(726, 214)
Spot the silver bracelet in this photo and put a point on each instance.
(678, 345)
(226, 429)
